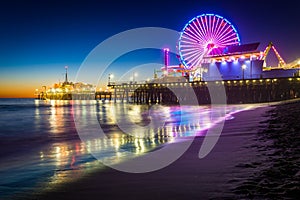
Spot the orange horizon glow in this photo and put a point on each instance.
(14, 88)
(16, 91)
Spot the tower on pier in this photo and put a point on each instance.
(66, 76)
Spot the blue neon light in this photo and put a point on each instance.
(197, 17)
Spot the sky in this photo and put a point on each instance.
(39, 38)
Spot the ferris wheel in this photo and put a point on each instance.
(205, 35)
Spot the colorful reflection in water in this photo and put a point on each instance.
(72, 155)
(49, 151)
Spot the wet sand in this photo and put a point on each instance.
(248, 154)
(276, 171)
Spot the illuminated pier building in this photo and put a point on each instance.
(67, 90)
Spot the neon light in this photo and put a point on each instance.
(204, 35)
(166, 54)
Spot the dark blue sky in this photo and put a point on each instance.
(39, 37)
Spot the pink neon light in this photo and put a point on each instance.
(205, 35)
(166, 52)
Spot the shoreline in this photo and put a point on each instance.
(277, 169)
(188, 177)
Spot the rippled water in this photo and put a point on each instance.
(40, 146)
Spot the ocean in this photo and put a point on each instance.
(41, 147)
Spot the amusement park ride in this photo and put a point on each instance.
(210, 42)
(281, 64)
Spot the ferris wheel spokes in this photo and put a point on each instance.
(205, 35)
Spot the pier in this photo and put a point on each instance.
(103, 95)
(204, 72)
(237, 91)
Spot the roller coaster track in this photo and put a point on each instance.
(281, 64)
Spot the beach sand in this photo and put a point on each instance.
(240, 166)
(277, 174)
